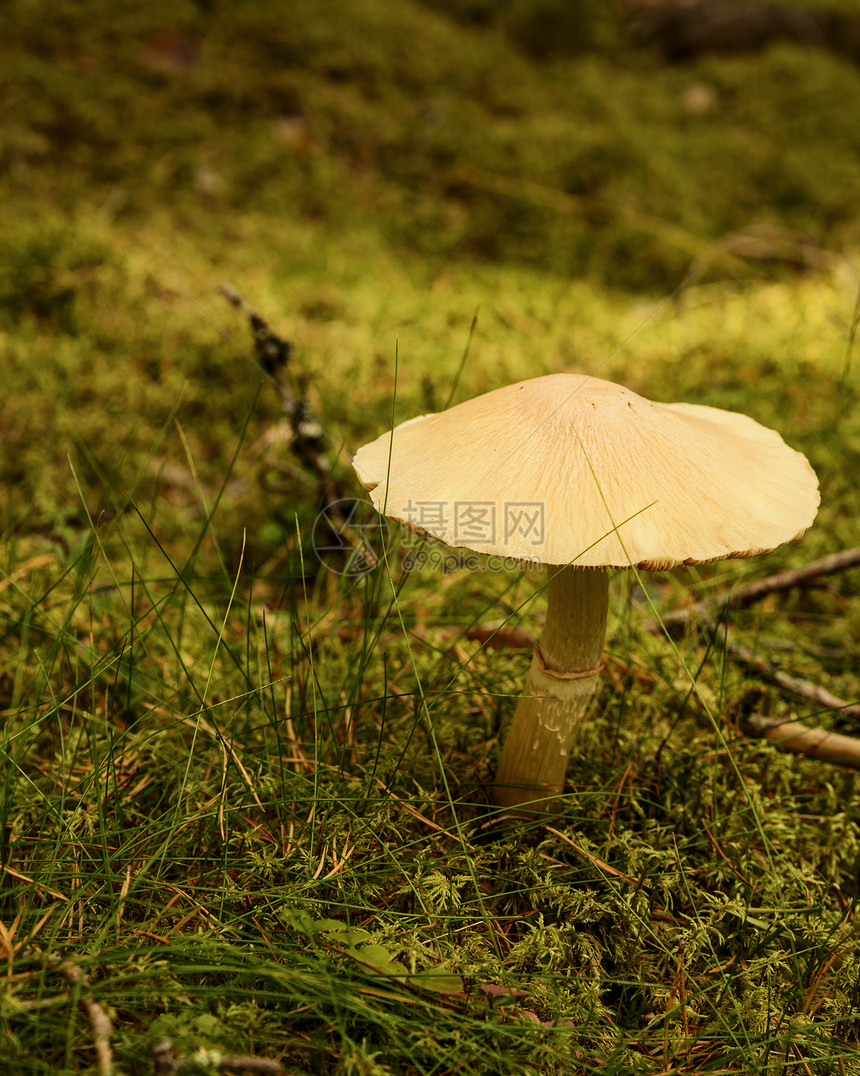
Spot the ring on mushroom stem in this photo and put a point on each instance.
(583, 475)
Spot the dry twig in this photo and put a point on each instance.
(765, 669)
(706, 614)
(100, 1022)
(166, 1062)
(341, 532)
(738, 599)
(272, 354)
(802, 740)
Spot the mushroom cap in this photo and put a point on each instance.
(571, 469)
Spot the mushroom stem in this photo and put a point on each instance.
(561, 682)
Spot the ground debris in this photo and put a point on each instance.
(166, 1062)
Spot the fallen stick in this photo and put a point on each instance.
(100, 1023)
(794, 684)
(273, 351)
(706, 612)
(166, 1062)
(801, 740)
(499, 637)
(314, 448)
(273, 354)
(737, 599)
(692, 28)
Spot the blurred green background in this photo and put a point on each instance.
(530, 132)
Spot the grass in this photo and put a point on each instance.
(244, 794)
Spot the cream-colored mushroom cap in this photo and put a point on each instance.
(572, 469)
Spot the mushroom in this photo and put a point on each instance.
(583, 475)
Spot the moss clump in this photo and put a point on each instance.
(593, 159)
